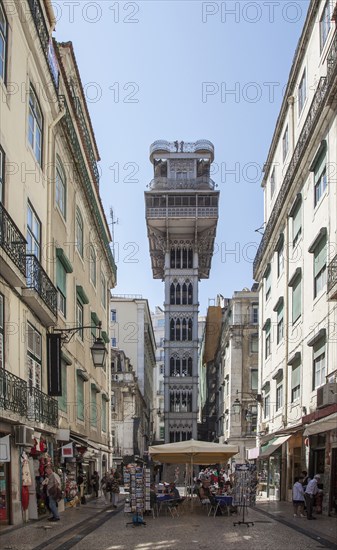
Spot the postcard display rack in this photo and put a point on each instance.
(137, 484)
(244, 491)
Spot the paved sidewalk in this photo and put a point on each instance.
(324, 526)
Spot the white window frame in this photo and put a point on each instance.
(113, 315)
(79, 232)
(302, 92)
(61, 188)
(279, 396)
(33, 232)
(4, 42)
(319, 363)
(79, 318)
(324, 25)
(35, 125)
(93, 266)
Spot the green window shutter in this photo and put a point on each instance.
(320, 166)
(320, 254)
(60, 255)
(103, 405)
(63, 399)
(297, 300)
(80, 398)
(93, 407)
(82, 295)
(61, 277)
(280, 312)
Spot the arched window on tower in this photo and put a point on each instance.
(184, 294)
(190, 326)
(190, 258)
(178, 335)
(173, 258)
(172, 293)
(190, 294)
(178, 294)
(185, 254)
(189, 366)
(178, 258)
(184, 330)
(172, 330)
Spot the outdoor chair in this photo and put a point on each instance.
(214, 507)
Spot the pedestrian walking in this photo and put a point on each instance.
(298, 497)
(114, 490)
(106, 486)
(95, 483)
(309, 495)
(53, 483)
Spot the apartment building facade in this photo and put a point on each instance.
(54, 272)
(295, 266)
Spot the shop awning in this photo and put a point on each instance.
(273, 446)
(323, 425)
(79, 440)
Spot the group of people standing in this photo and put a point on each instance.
(304, 494)
(110, 486)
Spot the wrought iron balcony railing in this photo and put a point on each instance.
(12, 241)
(319, 100)
(13, 393)
(69, 127)
(37, 279)
(332, 273)
(45, 40)
(42, 407)
(182, 212)
(87, 140)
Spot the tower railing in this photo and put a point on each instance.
(201, 182)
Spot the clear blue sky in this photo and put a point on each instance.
(164, 70)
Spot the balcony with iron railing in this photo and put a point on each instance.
(45, 39)
(40, 293)
(183, 212)
(33, 404)
(13, 393)
(202, 183)
(13, 265)
(323, 96)
(42, 408)
(332, 279)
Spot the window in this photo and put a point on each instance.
(302, 92)
(254, 379)
(285, 143)
(320, 274)
(33, 233)
(272, 183)
(254, 343)
(34, 361)
(2, 341)
(62, 400)
(103, 290)
(266, 406)
(3, 42)
(268, 282)
(60, 188)
(280, 324)
(319, 363)
(92, 265)
(255, 314)
(267, 341)
(324, 24)
(35, 126)
(80, 398)
(113, 316)
(79, 318)
(113, 342)
(2, 175)
(103, 405)
(295, 381)
(181, 258)
(79, 233)
(93, 407)
(297, 223)
(61, 284)
(280, 261)
(296, 299)
(320, 178)
(279, 397)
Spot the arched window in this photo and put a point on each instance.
(178, 335)
(173, 258)
(189, 366)
(184, 294)
(178, 258)
(172, 293)
(178, 297)
(190, 326)
(184, 330)
(190, 294)
(185, 257)
(172, 330)
(190, 258)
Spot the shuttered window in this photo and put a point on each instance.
(320, 255)
(80, 398)
(61, 283)
(319, 363)
(295, 381)
(297, 300)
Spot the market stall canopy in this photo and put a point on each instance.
(197, 452)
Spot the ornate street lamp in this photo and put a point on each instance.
(98, 349)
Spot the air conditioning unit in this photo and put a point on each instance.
(327, 395)
(24, 436)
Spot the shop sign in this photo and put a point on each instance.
(67, 451)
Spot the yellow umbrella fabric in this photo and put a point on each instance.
(192, 451)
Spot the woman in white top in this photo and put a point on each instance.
(298, 497)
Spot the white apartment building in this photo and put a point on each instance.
(296, 267)
(158, 428)
(131, 331)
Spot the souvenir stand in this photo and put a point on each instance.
(244, 490)
(137, 485)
